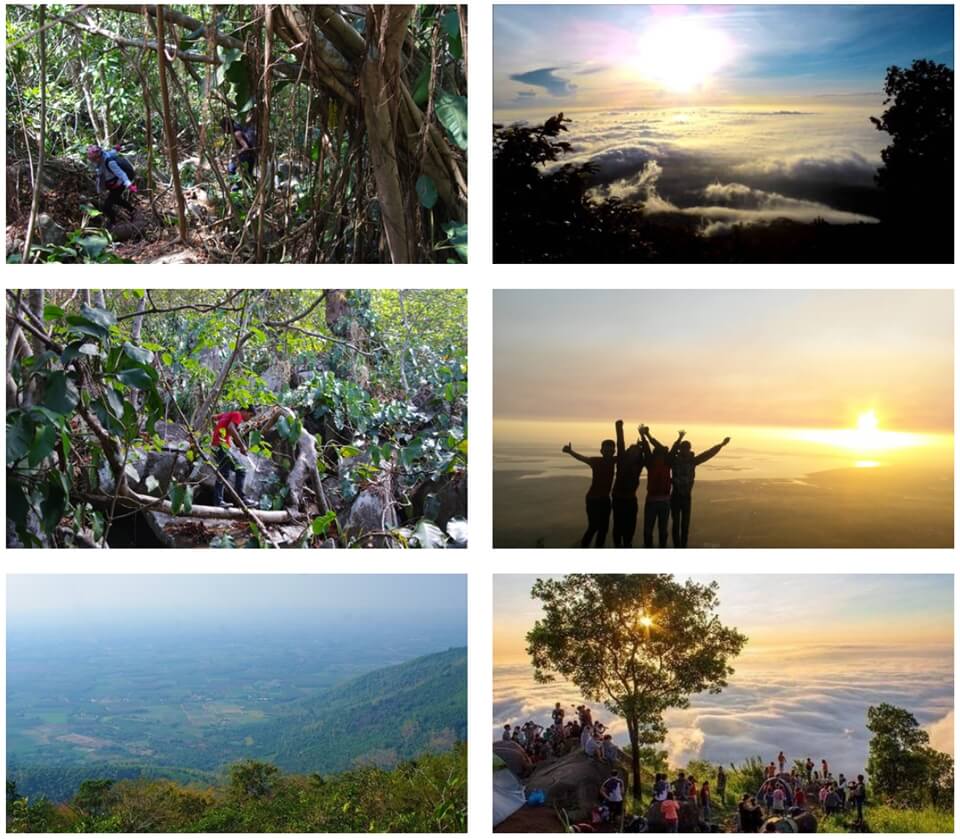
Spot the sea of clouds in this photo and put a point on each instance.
(810, 703)
(733, 165)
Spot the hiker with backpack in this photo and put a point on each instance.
(245, 144)
(115, 176)
(684, 463)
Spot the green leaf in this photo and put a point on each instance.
(188, 499)
(43, 442)
(53, 504)
(452, 112)
(428, 535)
(177, 494)
(101, 317)
(60, 394)
(450, 23)
(138, 354)
(349, 451)
(93, 244)
(426, 191)
(167, 359)
(137, 377)
(321, 524)
(421, 87)
(51, 312)
(457, 237)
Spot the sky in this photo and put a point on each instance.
(631, 56)
(821, 649)
(810, 359)
(57, 599)
(723, 114)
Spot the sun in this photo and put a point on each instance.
(867, 421)
(682, 53)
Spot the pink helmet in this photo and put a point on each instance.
(93, 152)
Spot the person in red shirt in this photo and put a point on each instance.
(226, 436)
(598, 496)
(671, 813)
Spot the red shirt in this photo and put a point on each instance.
(220, 424)
(670, 810)
(602, 477)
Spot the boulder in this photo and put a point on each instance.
(571, 782)
(168, 464)
(689, 818)
(442, 500)
(50, 232)
(371, 512)
(799, 821)
(514, 756)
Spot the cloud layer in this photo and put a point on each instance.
(545, 77)
(813, 703)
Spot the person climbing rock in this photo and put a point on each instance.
(684, 463)
(598, 495)
(115, 176)
(624, 495)
(226, 436)
(245, 145)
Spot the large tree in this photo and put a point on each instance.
(638, 643)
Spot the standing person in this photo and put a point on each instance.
(611, 791)
(681, 787)
(624, 494)
(842, 790)
(598, 495)
(506, 732)
(782, 760)
(722, 785)
(801, 798)
(859, 797)
(809, 767)
(114, 176)
(245, 145)
(770, 771)
(557, 715)
(824, 769)
(610, 751)
(660, 787)
(671, 813)
(705, 799)
(779, 800)
(656, 508)
(684, 464)
(692, 792)
(226, 436)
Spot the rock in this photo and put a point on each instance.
(262, 477)
(277, 376)
(571, 782)
(169, 464)
(50, 232)
(514, 756)
(371, 513)
(443, 500)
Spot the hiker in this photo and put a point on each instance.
(722, 785)
(557, 715)
(705, 799)
(822, 794)
(809, 768)
(671, 812)
(770, 771)
(611, 790)
(681, 787)
(831, 801)
(226, 436)
(656, 508)
(114, 176)
(610, 751)
(660, 787)
(585, 715)
(684, 463)
(506, 732)
(779, 801)
(801, 798)
(824, 769)
(598, 495)
(245, 144)
(624, 496)
(842, 791)
(859, 797)
(781, 758)
(692, 792)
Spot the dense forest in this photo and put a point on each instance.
(426, 795)
(236, 133)
(340, 418)
(548, 210)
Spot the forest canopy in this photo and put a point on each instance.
(299, 418)
(245, 133)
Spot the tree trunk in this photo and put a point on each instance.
(635, 759)
(380, 92)
(263, 140)
(38, 176)
(168, 127)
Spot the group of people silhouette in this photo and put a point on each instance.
(616, 478)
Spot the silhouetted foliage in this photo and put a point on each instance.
(917, 171)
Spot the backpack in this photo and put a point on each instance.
(122, 162)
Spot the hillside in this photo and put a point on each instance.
(377, 719)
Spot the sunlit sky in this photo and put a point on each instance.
(568, 57)
(796, 359)
(54, 598)
(871, 609)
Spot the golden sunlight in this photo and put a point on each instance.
(682, 53)
(866, 437)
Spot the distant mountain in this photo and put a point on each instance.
(380, 718)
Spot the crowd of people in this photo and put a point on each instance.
(616, 478)
(545, 742)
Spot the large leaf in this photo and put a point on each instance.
(101, 317)
(93, 244)
(138, 354)
(51, 312)
(53, 504)
(19, 439)
(60, 394)
(452, 112)
(457, 237)
(428, 535)
(138, 377)
(43, 442)
(426, 191)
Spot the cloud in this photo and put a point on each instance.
(527, 93)
(842, 167)
(813, 706)
(545, 78)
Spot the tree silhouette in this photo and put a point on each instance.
(917, 171)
